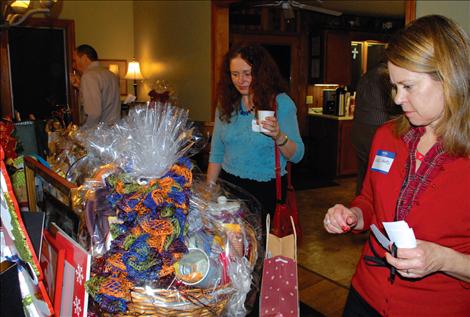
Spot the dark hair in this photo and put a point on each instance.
(88, 51)
(266, 82)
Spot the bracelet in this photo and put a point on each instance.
(286, 138)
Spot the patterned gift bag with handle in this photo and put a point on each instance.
(279, 284)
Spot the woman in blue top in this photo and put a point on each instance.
(250, 81)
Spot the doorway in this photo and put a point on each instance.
(35, 60)
(38, 76)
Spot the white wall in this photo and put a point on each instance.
(108, 26)
(173, 43)
(459, 11)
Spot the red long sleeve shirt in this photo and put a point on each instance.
(441, 215)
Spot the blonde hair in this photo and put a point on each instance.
(437, 46)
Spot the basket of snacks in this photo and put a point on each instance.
(164, 242)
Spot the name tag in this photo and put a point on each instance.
(383, 161)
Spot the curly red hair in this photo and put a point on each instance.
(266, 82)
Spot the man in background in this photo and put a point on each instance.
(99, 88)
(374, 106)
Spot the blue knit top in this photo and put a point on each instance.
(248, 154)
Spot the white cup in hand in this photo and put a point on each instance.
(262, 114)
(75, 80)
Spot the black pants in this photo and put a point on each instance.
(265, 192)
(356, 306)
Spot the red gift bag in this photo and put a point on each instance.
(279, 285)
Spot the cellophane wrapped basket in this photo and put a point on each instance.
(164, 242)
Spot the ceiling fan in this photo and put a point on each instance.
(288, 7)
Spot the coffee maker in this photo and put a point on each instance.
(329, 102)
(336, 101)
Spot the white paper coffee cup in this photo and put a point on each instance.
(262, 114)
(254, 126)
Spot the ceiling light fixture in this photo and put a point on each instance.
(13, 13)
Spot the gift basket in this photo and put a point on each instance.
(164, 242)
(64, 148)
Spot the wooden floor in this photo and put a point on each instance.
(322, 294)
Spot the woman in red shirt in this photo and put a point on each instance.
(419, 172)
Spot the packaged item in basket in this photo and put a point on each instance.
(232, 230)
(195, 268)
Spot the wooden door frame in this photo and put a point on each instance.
(219, 43)
(6, 102)
(410, 11)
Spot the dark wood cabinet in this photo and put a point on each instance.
(337, 59)
(346, 160)
(330, 142)
(330, 57)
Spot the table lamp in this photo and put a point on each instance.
(133, 73)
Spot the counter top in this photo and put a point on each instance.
(318, 113)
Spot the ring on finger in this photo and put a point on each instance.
(327, 222)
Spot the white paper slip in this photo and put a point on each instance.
(395, 225)
(400, 233)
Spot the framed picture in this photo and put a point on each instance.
(76, 271)
(118, 67)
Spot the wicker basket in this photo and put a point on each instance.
(252, 254)
(189, 302)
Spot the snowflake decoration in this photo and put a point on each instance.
(79, 274)
(77, 306)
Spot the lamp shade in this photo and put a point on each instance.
(133, 71)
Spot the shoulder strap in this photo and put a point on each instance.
(278, 166)
(278, 173)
